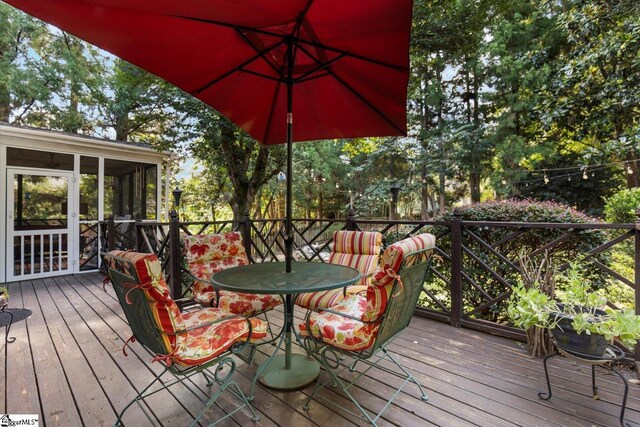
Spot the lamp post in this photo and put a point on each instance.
(177, 194)
(393, 214)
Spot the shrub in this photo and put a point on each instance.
(621, 207)
(480, 282)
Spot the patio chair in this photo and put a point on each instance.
(200, 341)
(362, 327)
(357, 249)
(207, 254)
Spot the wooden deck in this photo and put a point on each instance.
(67, 365)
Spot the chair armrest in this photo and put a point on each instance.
(186, 304)
(206, 324)
(348, 316)
(194, 278)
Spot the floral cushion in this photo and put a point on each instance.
(356, 249)
(197, 345)
(186, 342)
(379, 291)
(225, 247)
(342, 332)
(206, 254)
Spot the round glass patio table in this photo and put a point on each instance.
(287, 371)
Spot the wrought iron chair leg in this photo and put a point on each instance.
(407, 373)
(624, 397)
(542, 395)
(140, 396)
(209, 382)
(224, 384)
(334, 379)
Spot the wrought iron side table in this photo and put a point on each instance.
(611, 355)
(8, 327)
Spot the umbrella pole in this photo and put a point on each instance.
(288, 244)
(289, 202)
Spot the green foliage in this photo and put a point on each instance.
(577, 301)
(511, 244)
(622, 206)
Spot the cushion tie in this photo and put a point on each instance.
(391, 273)
(166, 358)
(132, 286)
(105, 282)
(131, 339)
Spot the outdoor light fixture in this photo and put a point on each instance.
(177, 193)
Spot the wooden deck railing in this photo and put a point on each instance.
(475, 267)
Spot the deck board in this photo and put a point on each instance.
(67, 366)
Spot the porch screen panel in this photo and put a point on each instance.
(129, 190)
(91, 242)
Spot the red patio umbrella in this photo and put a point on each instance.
(340, 65)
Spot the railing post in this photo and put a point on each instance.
(139, 241)
(246, 235)
(351, 221)
(637, 280)
(456, 269)
(111, 234)
(175, 269)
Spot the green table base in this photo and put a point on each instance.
(303, 371)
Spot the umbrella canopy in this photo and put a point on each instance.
(341, 66)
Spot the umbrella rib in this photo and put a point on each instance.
(356, 93)
(282, 36)
(264, 76)
(366, 101)
(321, 66)
(258, 51)
(272, 111)
(233, 70)
(352, 55)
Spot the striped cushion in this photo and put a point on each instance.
(187, 343)
(356, 249)
(357, 242)
(164, 310)
(379, 291)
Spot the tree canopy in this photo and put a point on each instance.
(507, 98)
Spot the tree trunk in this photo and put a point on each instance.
(632, 178)
(5, 104)
(442, 201)
(474, 181)
(424, 203)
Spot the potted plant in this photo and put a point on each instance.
(4, 296)
(578, 318)
(536, 287)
